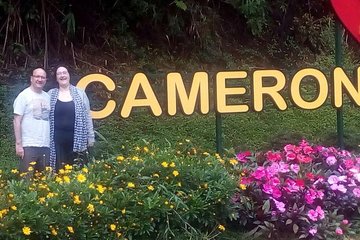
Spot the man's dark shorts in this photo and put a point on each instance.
(36, 157)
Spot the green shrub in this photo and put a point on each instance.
(147, 193)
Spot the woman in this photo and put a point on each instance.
(71, 126)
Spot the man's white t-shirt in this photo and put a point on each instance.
(35, 108)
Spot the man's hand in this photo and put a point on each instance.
(20, 151)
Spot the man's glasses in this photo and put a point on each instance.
(37, 76)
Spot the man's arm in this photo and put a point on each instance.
(17, 130)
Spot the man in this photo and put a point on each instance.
(31, 124)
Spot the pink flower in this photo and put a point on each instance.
(338, 187)
(356, 192)
(310, 196)
(316, 214)
(349, 163)
(344, 153)
(320, 212)
(274, 181)
(273, 156)
(313, 215)
(271, 190)
(259, 173)
(283, 167)
(272, 170)
(276, 192)
(308, 150)
(339, 231)
(310, 176)
(345, 222)
(289, 147)
(333, 179)
(242, 156)
(303, 159)
(279, 205)
(320, 194)
(295, 168)
(313, 231)
(357, 176)
(291, 186)
(290, 156)
(331, 160)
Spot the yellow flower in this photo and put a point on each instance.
(221, 228)
(81, 178)
(61, 171)
(242, 186)
(50, 195)
(66, 179)
(123, 211)
(164, 164)
(53, 231)
(68, 167)
(58, 179)
(233, 162)
(172, 164)
(146, 149)
(151, 188)
(32, 163)
(175, 173)
(26, 231)
(120, 158)
(41, 200)
(112, 227)
(13, 207)
(90, 208)
(48, 169)
(70, 229)
(30, 169)
(85, 170)
(3, 213)
(131, 185)
(100, 188)
(77, 199)
(166, 202)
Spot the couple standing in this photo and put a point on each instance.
(51, 129)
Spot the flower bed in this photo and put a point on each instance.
(145, 193)
(310, 191)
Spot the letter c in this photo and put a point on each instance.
(109, 84)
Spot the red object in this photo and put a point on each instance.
(348, 11)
